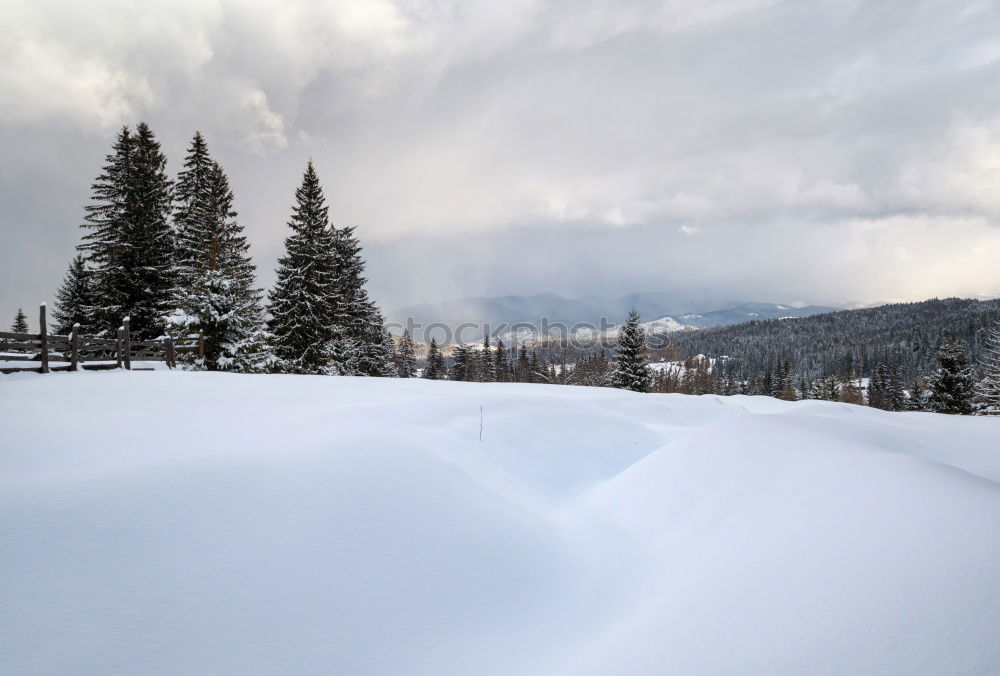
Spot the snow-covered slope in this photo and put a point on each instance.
(206, 523)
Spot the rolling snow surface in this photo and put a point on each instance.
(209, 523)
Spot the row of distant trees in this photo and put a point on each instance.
(951, 388)
(172, 255)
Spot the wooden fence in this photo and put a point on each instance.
(43, 352)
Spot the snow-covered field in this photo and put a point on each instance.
(206, 523)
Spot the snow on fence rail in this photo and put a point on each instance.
(76, 351)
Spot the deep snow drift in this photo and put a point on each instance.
(208, 523)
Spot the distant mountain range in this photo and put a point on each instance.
(664, 311)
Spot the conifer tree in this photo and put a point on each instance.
(988, 391)
(850, 389)
(487, 368)
(200, 213)
(129, 245)
(534, 370)
(20, 324)
(918, 395)
(435, 362)
(826, 389)
(878, 388)
(407, 357)
(74, 299)
(523, 365)
(372, 345)
(896, 391)
(214, 275)
(501, 365)
(304, 302)
(360, 321)
(632, 367)
(460, 367)
(953, 385)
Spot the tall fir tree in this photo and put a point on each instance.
(74, 299)
(214, 275)
(632, 367)
(988, 391)
(407, 357)
(304, 302)
(953, 385)
(361, 324)
(130, 242)
(435, 362)
(199, 214)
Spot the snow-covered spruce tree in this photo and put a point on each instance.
(916, 399)
(632, 365)
(227, 308)
(129, 245)
(435, 362)
(214, 274)
(988, 391)
(826, 388)
(460, 367)
(304, 301)
(878, 388)
(74, 299)
(196, 218)
(953, 384)
(361, 321)
(407, 357)
(897, 393)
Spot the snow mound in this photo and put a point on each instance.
(211, 523)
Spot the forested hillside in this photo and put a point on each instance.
(906, 335)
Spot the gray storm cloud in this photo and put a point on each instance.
(814, 150)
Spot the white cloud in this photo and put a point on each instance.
(811, 126)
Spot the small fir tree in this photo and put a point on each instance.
(435, 362)
(632, 367)
(953, 385)
(20, 324)
(74, 299)
(407, 357)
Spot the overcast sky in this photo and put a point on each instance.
(798, 150)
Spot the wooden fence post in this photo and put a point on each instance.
(118, 346)
(43, 336)
(168, 351)
(127, 344)
(74, 346)
(201, 343)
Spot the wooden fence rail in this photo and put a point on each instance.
(73, 352)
